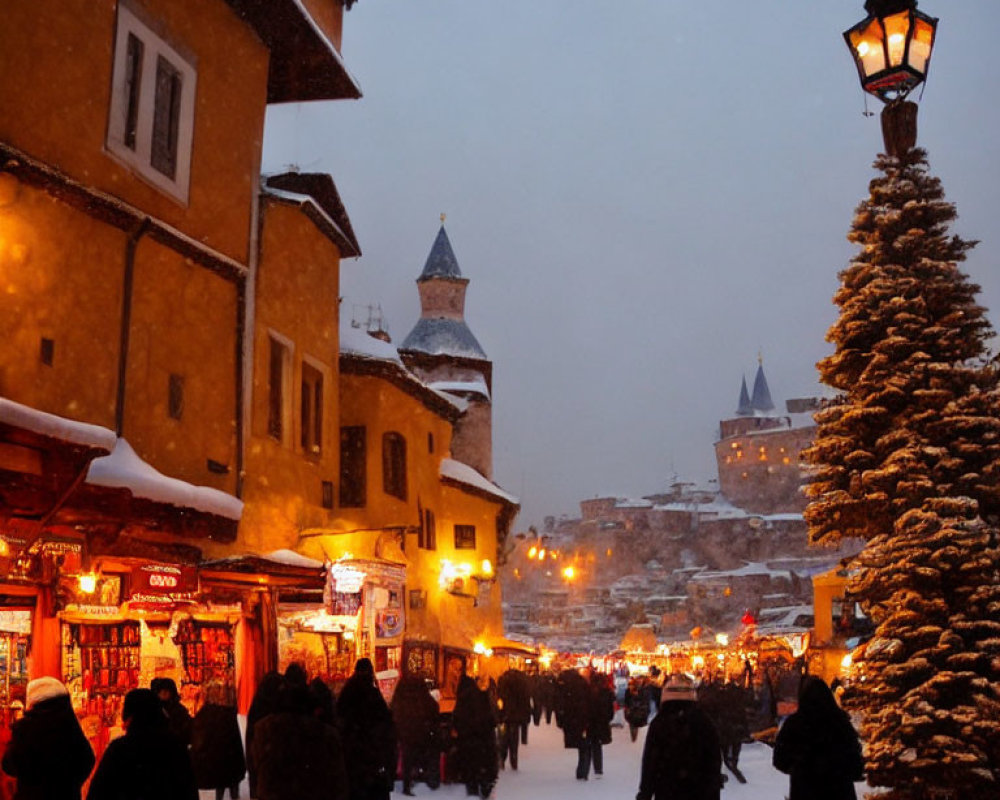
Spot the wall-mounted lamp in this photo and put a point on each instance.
(88, 582)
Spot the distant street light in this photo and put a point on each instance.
(569, 573)
(892, 48)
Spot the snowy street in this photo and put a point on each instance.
(546, 769)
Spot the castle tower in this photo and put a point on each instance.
(744, 409)
(444, 354)
(761, 400)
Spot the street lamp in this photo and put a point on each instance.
(892, 48)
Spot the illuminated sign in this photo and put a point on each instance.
(163, 579)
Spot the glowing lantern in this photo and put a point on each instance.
(569, 573)
(892, 47)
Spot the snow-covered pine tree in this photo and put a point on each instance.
(908, 459)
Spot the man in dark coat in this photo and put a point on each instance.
(265, 702)
(178, 717)
(418, 726)
(148, 762)
(368, 734)
(818, 747)
(600, 700)
(681, 759)
(475, 731)
(573, 714)
(48, 753)
(514, 694)
(636, 706)
(216, 744)
(296, 755)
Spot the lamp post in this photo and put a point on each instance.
(892, 49)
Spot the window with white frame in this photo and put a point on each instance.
(151, 121)
(311, 410)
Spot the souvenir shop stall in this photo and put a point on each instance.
(131, 621)
(364, 608)
(277, 602)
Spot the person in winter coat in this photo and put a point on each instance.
(735, 726)
(297, 755)
(216, 744)
(514, 696)
(148, 762)
(636, 706)
(265, 701)
(572, 712)
(681, 759)
(369, 735)
(654, 688)
(600, 709)
(48, 753)
(474, 724)
(416, 715)
(178, 717)
(818, 747)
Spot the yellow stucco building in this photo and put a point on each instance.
(198, 480)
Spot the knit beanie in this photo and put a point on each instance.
(41, 689)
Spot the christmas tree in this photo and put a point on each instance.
(907, 459)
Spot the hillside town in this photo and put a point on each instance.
(691, 564)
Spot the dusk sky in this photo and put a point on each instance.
(643, 194)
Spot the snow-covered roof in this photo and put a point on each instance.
(474, 386)
(305, 63)
(293, 559)
(630, 503)
(444, 337)
(55, 427)
(317, 195)
(797, 421)
(124, 469)
(463, 473)
(358, 342)
(748, 569)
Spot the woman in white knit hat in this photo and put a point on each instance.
(48, 753)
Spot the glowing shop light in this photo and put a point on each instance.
(722, 638)
(88, 583)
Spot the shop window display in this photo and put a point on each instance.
(100, 664)
(207, 652)
(15, 645)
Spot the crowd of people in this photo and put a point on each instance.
(303, 743)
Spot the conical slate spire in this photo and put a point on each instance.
(441, 263)
(745, 409)
(441, 329)
(761, 400)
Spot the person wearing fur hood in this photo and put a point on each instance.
(48, 728)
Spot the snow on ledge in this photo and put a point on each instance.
(292, 559)
(473, 386)
(66, 430)
(124, 469)
(463, 473)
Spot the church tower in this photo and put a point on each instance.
(445, 355)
